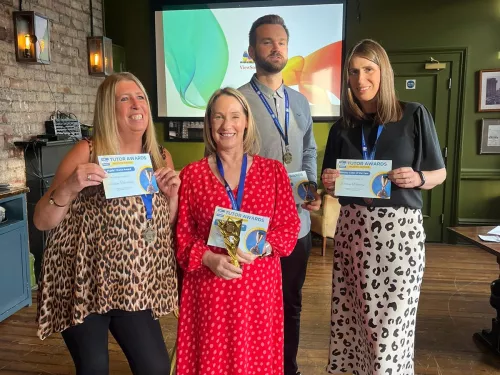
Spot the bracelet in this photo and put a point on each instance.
(53, 202)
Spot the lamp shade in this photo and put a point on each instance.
(100, 55)
(32, 37)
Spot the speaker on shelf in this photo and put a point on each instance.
(42, 160)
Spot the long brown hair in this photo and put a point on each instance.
(388, 106)
(106, 140)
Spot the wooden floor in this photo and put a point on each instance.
(454, 304)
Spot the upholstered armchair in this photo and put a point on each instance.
(324, 221)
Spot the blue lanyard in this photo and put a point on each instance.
(284, 134)
(148, 204)
(236, 204)
(370, 156)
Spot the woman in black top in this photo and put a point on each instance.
(379, 244)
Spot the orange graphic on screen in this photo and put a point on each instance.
(316, 74)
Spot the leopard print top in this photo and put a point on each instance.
(96, 260)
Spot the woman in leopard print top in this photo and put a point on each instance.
(100, 271)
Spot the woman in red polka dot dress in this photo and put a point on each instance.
(231, 319)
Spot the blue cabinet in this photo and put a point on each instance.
(15, 289)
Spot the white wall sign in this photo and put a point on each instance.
(411, 84)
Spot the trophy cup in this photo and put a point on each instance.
(230, 230)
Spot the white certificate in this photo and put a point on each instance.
(128, 175)
(363, 178)
(493, 135)
(253, 230)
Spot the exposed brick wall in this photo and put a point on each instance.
(26, 100)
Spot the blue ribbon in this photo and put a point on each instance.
(236, 204)
(148, 204)
(364, 147)
(284, 134)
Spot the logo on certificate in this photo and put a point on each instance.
(255, 241)
(381, 186)
(304, 192)
(147, 180)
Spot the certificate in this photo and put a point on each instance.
(253, 230)
(130, 174)
(300, 187)
(493, 135)
(363, 178)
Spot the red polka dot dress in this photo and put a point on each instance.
(233, 327)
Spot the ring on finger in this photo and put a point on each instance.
(89, 177)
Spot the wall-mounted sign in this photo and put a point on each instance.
(411, 84)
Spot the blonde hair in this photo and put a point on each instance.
(106, 139)
(388, 106)
(251, 136)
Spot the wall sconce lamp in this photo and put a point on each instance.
(100, 56)
(32, 37)
(100, 50)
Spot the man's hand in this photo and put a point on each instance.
(315, 204)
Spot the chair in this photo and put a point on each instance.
(324, 221)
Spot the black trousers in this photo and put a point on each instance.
(293, 270)
(137, 333)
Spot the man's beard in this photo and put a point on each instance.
(268, 66)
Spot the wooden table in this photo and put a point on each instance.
(488, 337)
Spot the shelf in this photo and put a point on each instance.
(10, 225)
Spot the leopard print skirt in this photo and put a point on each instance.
(379, 262)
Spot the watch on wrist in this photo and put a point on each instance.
(422, 178)
(314, 184)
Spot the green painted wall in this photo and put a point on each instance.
(184, 153)
(426, 24)
(397, 25)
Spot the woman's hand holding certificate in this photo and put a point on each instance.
(128, 175)
(168, 181)
(363, 178)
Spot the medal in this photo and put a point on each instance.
(287, 156)
(149, 234)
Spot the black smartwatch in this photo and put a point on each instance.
(422, 178)
(312, 183)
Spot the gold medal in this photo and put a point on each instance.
(149, 234)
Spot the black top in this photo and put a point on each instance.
(410, 142)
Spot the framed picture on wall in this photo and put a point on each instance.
(179, 129)
(490, 137)
(489, 90)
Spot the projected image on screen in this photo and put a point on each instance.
(201, 50)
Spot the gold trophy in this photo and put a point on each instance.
(230, 230)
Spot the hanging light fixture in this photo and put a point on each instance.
(100, 51)
(32, 37)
